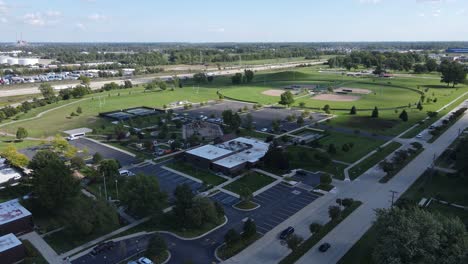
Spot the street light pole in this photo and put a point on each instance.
(116, 189)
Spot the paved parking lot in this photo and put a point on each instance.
(168, 181)
(106, 152)
(214, 109)
(225, 199)
(278, 204)
(307, 177)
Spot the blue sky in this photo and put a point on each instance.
(238, 21)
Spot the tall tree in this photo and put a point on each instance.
(156, 246)
(287, 99)
(21, 133)
(375, 112)
(236, 78)
(404, 115)
(250, 228)
(414, 235)
(452, 72)
(199, 78)
(353, 110)
(249, 75)
(109, 168)
(47, 91)
(53, 182)
(142, 195)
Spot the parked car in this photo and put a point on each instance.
(144, 260)
(287, 232)
(419, 136)
(264, 129)
(102, 247)
(324, 247)
(431, 127)
(126, 173)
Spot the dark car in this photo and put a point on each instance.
(287, 232)
(102, 247)
(324, 247)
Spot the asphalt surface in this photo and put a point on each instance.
(264, 118)
(106, 152)
(213, 109)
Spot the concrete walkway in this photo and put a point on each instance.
(46, 251)
(450, 171)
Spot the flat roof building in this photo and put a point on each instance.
(231, 157)
(11, 249)
(14, 218)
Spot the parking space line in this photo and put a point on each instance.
(288, 211)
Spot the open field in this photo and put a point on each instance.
(386, 94)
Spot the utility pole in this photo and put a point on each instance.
(105, 187)
(393, 197)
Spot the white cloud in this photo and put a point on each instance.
(80, 26)
(3, 7)
(40, 19)
(3, 20)
(370, 1)
(97, 17)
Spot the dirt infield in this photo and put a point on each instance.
(336, 97)
(273, 92)
(352, 90)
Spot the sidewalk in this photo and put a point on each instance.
(46, 251)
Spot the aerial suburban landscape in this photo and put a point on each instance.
(244, 132)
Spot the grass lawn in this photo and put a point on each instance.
(246, 205)
(362, 145)
(297, 161)
(366, 164)
(202, 174)
(317, 236)
(33, 256)
(252, 180)
(324, 187)
(6, 141)
(225, 252)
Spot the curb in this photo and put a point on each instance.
(245, 210)
(197, 237)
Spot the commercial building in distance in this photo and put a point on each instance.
(231, 157)
(14, 218)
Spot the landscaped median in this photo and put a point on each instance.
(252, 180)
(201, 174)
(399, 161)
(303, 248)
(358, 169)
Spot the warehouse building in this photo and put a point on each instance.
(231, 157)
(14, 218)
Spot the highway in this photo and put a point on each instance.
(7, 91)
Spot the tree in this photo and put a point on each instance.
(14, 157)
(97, 158)
(109, 168)
(287, 98)
(231, 237)
(334, 212)
(315, 227)
(300, 121)
(275, 125)
(53, 182)
(293, 241)
(461, 156)
(77, 163)
(250, 229)
(47, 91)
(142, 195)
(302, 104)
(79, 110)
(87, 216)
(353, 110)
(245, 193)
(419, 106)
(325, 179)
(156, 246)
(415, 235)
(276, 158)
(236, 78)
(431, 65)
(347, 202)
(249, 75)
(21, 133)
(231, 119)
(85, 80)
(326, 109)
(332, 149)
(199, 78)
(452, 72)
(128, 84)
(248, 122)
(375, 112)
(404, 116)
(345, 147)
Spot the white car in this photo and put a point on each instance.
(126, 173)
(144, 260)
(264, 129)
(419, 136)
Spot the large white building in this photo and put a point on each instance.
(18, 61)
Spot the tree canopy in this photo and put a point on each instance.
(407, 236)
(452, 73)
(287, 98)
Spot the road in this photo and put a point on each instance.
(367, 189)
(6, 92)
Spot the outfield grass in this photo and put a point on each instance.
(8, 141)
(201, 174)
(362, 145)
(254, 181)
(370, 161)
